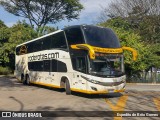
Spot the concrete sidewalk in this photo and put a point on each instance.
(143, 87)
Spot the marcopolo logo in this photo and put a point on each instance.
(43, 56)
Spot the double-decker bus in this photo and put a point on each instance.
(82, 58)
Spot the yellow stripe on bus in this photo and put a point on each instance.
(44, 84)
(76, 90)
(88, 92)
(95, 92)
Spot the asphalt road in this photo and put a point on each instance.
(138, 98)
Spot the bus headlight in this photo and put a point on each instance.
(93, 81)
(90, 80)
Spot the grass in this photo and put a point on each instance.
(5, 71)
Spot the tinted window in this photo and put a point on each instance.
(58, 41)
(46, 43)
(54, 65)
(61, 67)
(74, 36)
(53, 41)
(35, 66)
(37, 45)
(101, 37)
(46, 64)
(74, 63)
(79, 64)
(29, 47)
(31, 66)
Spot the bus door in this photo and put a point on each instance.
(80, 66)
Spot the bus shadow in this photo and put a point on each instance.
(96, 96)
(9, 82)
(89, 96)
(48, 88)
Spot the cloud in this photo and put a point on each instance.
(94, 6)
(10, 24)
(90, 13)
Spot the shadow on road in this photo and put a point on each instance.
(9, 82)
(90, 96)
(19, 102)
(95, 96)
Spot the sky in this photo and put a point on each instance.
(89, 15)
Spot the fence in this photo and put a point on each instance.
(149, 77)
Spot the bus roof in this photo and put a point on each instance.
(79, 26)
(66, 28)
(40, 37)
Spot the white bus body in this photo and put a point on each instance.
(54, 68)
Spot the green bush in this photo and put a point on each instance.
(4, 71)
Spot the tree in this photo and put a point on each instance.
(143, 18)
(128, 38)
(41, 12)
(138, 8)
(4, 36)
(46, 30)
(143, 15)
(18, 33)
(148, 54)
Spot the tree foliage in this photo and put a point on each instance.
(142, 18)
(41, 12)
(11, 37)
(132, 8)
(128, 38)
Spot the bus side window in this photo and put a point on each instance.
(74, 36)
(38, 66)
(74, 63)
(61, 67)
(37, 45)
(46, 64)
(46, 43)
(79, 64)
(54, 65)
(30, 66)
(35, 66)
(58, 41)
(29, 47)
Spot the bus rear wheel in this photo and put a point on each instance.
(23, 79)
(27, 80)
(67, 87)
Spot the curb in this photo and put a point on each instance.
(143, 83)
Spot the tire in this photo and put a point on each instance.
(67, 87)
(27, 81)
(23, 79)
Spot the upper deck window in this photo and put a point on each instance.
(100, 37)
(55, 41)
(74, 36)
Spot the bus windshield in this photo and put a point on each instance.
(100, 37)
(107, 66)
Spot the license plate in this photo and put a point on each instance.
(110, 90)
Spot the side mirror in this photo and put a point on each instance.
(134, 52)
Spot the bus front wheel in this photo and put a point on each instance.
(67, 87)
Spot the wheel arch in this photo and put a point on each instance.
(63, 80)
